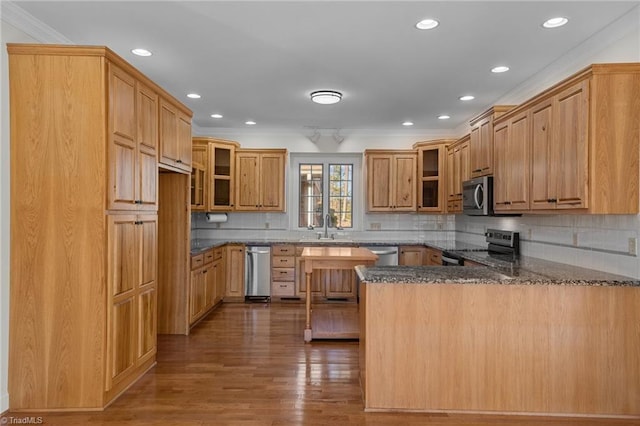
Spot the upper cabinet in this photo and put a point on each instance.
(481, 142)
(512, 155)
(432, 158)
(390, 180)
(573, 147)
(133, 141)
(175, 136)
(260, 179)
(457, 172)
(213, 174)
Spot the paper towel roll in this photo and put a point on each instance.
(216, 217)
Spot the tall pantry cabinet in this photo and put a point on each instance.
(84, 226)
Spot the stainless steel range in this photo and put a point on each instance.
(505, 243)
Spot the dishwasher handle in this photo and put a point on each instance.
(383, 252)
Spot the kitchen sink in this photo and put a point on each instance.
(325, 240)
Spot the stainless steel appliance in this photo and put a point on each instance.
(477, 196)
(387, 255)
(452, 259)
(504, 243)
(257, 274)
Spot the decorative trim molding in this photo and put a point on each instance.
(14, 15)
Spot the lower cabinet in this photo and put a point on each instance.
(206, 288)
(132, 297)
(325, 283)
(283, 272)
(412, 255)
(434, 257)
(235, 254)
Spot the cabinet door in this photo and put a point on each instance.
(122, 348)
(518, 162)
(338, 283)
(404, 190)
(317, 284)
(147, 145)
(222, 165)
(543, 152)
(183, 160)
(452, 156)
(210, 284)
(486, 147)
(122, 149)
(272, 182)
(501, 171)
(220, 279)
(247, 196)
(570, 134)
(412, 256)
(169, 152)
(475, 152)
(199, 185)
(235, 271)
(465, 169)
(379, 183)
(197, 294)
(147, 324)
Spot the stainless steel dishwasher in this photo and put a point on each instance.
(257, 274)
(387, 255)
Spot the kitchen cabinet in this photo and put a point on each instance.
(512, 145)
(390, 180)
(84, 281)
(283, 272)
(235, 258)
(457, 172)
(133, 170)
(205, 290)
(175, 136)
(260, 180)
(584, 134)
(214, 166)
(434, 256)
(481, 140)
(431, 175)
(131, 276)
(412, 256)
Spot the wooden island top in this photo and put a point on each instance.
(326, 323)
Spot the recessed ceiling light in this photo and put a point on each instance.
(407, 123)
(193, 96)
(427, 24)
(499, 69)
(555, 22)
(326, 97)
(216, 115)
(467, 98)
(250, 123)
(443, 117)
(141, 52)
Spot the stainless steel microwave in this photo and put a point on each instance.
(477, 196)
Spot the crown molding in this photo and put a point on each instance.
(16, 16)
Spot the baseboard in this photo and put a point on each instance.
(4, 404)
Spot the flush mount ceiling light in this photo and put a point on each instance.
(193, 96)
(555, 22)
(467, 98)
(408, 123)
(443, 117)
(326, 97)
(499, 69)
(141, 52)
(250, 123)
(427, 24)
(216, 115)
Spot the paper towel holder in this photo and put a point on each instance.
(215, 217)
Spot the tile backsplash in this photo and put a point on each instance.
(602, 242)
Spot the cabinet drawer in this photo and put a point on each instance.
(283, 262)
(208, 256)
(435, 259)
(283, 274)
(217, 253)
(197, 261)
(283, 289)
(283, 250)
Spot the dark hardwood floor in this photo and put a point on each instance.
(247, 364)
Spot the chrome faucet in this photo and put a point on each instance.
(327, 219)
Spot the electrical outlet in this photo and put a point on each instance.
(575, 239)
(375, 226)
(266, 225)
(633, 246)
(439, 226)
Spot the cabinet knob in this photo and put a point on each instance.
(179, 161)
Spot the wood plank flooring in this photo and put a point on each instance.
(335, 321)
(247, 364)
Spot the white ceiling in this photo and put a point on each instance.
(260, 60)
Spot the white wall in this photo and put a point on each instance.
(9, 34)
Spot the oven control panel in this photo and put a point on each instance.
(502, 238)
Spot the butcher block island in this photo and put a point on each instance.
(332, 323)
(462, 339)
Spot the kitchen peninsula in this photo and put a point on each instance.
(537, 338)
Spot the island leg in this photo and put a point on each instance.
(307, 329)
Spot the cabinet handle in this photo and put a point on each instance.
(477, 170)
(179, 161)
(552, 200)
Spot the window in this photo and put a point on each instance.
(315, 203)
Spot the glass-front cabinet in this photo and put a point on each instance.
(431, 168)
(198, 177)
(212, 174)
